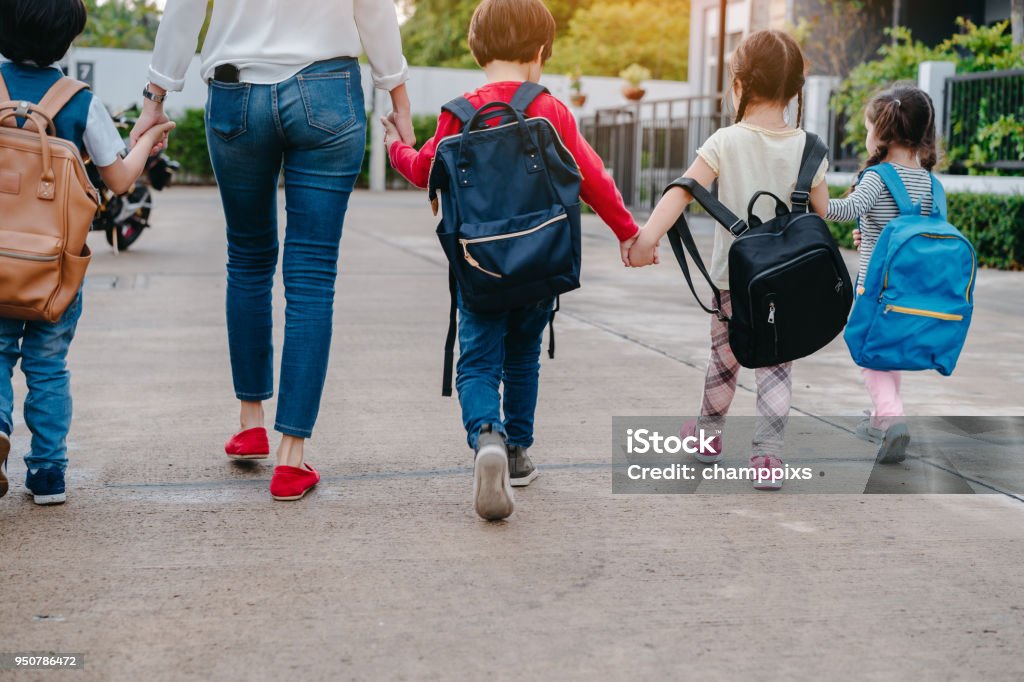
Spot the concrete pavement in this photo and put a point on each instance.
(170, 563)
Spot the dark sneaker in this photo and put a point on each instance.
(492, 492)
(46, 486)
(5, 449)
(520, 467)
(893, 449)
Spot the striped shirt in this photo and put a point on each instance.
(872, 203)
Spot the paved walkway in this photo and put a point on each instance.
(170, 563)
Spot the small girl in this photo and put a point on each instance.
(762, 151)
(901, 132)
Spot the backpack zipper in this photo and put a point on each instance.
(923, 313)
(25, 256)
(499, 237)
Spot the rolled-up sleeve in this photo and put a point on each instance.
(176, 42)
(377, 22)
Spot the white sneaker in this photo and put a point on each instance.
(492, 491)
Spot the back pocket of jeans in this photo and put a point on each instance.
(227, 108)
(328, 100)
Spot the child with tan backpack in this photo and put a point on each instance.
(47, 124)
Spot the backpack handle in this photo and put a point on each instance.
(781, 209)
(534, 163)
(45, 188)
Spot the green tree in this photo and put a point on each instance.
(973, 49)
(601, 36)
(435, 34)
(609, 35)
(129, 24)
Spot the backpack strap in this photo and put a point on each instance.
(938, 199)
(815, 151)
(894, 183)
(681, 240)
(462, 109)
(59, 95)
(525, 94)
(449, 342)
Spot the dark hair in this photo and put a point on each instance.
(39, 31)
(769, 66)
(511, 30)
(903, 114)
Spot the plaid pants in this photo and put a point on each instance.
(774, 390)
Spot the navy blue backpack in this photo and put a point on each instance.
(509, 196)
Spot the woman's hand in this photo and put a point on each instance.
(401, 115)
(152, 115)
(856, 239)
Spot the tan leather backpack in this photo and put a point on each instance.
(47, 205)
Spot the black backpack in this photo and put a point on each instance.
(791, 291)
(510, 197)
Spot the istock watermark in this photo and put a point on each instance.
(831, 455)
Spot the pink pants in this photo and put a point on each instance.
(774, 390)
(884, 389)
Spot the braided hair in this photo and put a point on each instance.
(769, 66)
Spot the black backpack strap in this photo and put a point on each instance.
(460, 108)
(681, 240)
(713, 206)
(815, 151)
(449, 342)
(551, 327)
(525, 94)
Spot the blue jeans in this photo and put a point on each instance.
(314, 125)
(42, 348)
(500, 349)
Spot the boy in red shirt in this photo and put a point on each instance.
(510, 40)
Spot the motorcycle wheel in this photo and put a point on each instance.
(130, 229)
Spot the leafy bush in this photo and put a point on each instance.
(974, 49)
(993, 222)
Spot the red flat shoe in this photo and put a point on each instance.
(292, 483)
(248, 444)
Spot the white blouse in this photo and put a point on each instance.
(272, 40)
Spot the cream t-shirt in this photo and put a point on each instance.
(748, 159)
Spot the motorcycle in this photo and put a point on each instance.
(123, 218)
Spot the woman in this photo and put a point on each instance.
(284, 91)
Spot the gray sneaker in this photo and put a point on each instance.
(5, 449)
(492, 492)
(521, 469)
(866, 432)
(893, 449)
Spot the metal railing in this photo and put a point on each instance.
(649, 144)
(975, 101)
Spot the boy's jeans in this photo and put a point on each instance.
(314, 126)
(501, 348)
(43, 350)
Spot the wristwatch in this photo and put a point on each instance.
(152, 96)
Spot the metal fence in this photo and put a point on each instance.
(975, 104)
(648, 144)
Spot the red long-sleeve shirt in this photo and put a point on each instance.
(598, 189)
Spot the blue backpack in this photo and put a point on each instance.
(510, 222)
(914, 306)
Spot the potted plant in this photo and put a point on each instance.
(576, 85)
(634, 75)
